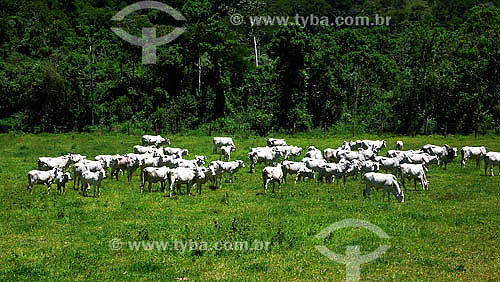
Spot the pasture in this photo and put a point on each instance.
(450, 232)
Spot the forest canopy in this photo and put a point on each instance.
(434, 69)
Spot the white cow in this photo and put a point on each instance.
(203, 175)
(314, 164)
(263, 155)
(385, 181)
(272, 175)
(154, 175)
(138, 149)
(175, 151)
(375, 145)
(106, 160)
(389, 164)
(222, 141)
(304, 173)
(148, 140)
(416, 172)
(445, 154)
(222, 168)
(46, 164)
(225, 153)
(93, 179)
(330, 155)
(369, 166)
(399, 145)
(491, 159)
(81, 167)
(117, 165)
(271, 142)
(42, 177)
(476, 153)
(61, 180)
(289, 151)
(314, 153)
(331, 171)
(292, 168)
(181, 175)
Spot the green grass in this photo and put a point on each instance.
(450, 232)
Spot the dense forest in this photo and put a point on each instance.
(434, 69)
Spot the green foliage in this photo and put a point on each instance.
(435, 69)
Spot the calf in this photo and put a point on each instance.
(385, 181)
(42, 177)
(222, 141)
(272, 175)
(226, 167)
(225, 152)
(93, 179)
(61, 180)
(154, 175)
(491, 159)
(416, 172)
(181, 175)
(477, 153)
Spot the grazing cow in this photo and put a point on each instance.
(332, 171)
(46, 164)
(416, 172)
(175, 151)
(226, 167)
(222, 141)
(401, 154)
(491, 159)
(385, 181)
(423, 159)
(42, 177)
(154, 175)
(272, 174)
(182, 175)
(225, 152)
(476, 153)
(93, 179)
(314, 153)
(149, 140)
(138, 149)
(292, 168)
(445, 154)
(61, 180)
(399, 145)
(263, 155)
(203, 175)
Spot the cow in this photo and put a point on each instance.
(46, 164)
(203, 175)
(263, 155)
(226, 167)
(330, 155)
(117, 165)
(106, 160)
(289, 151)
(272, 175)
(222, 141)
(476, 153)
(42, 177)
(385, 181)
(374, 145)
(271, 142)
(416, 172)
(61, 180)
(314, 164)
(181, 175)
(304, 173)
(491, 159)
(149, 140)
(389, 164)
(292, 168)
(314, 153)
(138, 149)
(154, 175)
(225, 153)
(199, 161)
(331, 171)
(445, 154)
(93, 179)
(369, 166)
(399, 145)
(82, 166)
(175, 151)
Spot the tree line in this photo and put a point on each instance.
(434, 69)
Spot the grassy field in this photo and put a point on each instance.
(449, 233)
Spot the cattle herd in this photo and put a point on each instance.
(165, 165)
